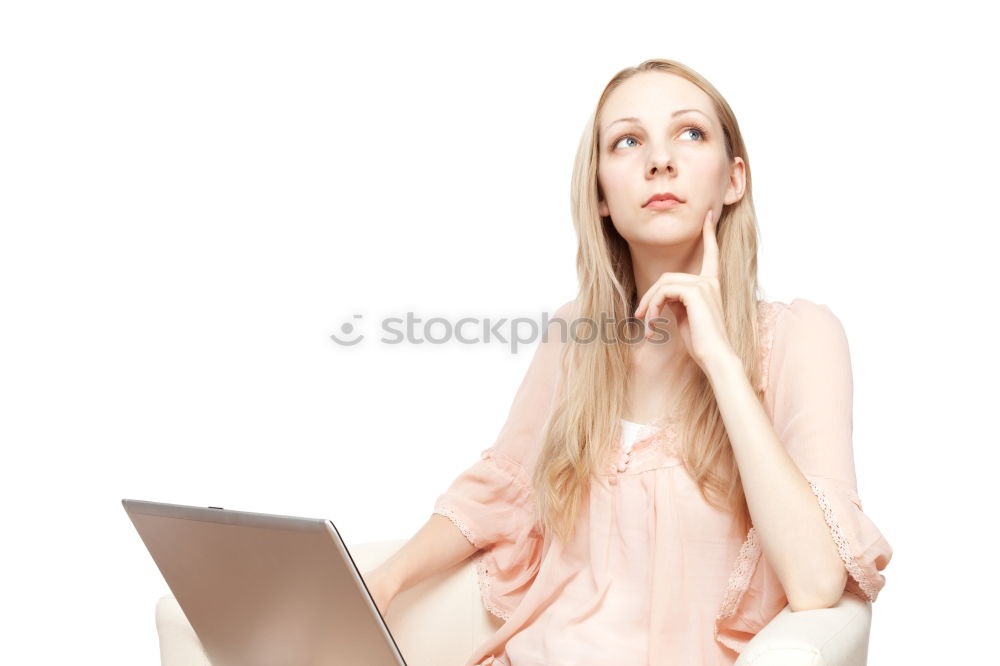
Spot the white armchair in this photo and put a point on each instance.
(835, 636)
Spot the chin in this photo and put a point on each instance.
(666, 235)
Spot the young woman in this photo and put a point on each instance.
(658, 495)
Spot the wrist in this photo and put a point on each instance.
(384, 580)
(723, 366)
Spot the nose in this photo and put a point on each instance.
(660, 162)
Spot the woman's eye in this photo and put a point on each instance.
(700, 132)
(618, 142)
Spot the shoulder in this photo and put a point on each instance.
(808, 322)
(800, 317)
(562, 318)
(566, 311)
(556, 325)
(802, 329)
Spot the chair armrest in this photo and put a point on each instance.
(836, 636)
(179, 645)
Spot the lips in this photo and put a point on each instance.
(663, 204)
(663, 196)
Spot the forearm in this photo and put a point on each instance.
(790, 524)
(437, 546)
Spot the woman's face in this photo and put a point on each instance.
(663, 146)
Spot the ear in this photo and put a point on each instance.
(737, 181)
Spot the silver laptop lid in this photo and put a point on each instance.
(263, 589)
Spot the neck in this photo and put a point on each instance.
(649, 262)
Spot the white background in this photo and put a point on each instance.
(195, 195)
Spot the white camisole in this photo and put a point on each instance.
(630, 430)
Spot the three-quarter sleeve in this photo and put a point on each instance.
(492, 502)
(809, 396)
(812, 400)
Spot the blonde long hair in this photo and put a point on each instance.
(585, 422)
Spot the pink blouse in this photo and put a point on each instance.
(654, 574)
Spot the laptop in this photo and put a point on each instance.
(262, 589)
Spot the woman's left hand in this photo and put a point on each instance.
(700, 321)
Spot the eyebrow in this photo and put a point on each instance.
(672, 115)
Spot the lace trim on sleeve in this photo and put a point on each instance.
(843, 546)
(450, 514)
(479, 560)
(485, 589)
(739, 579)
